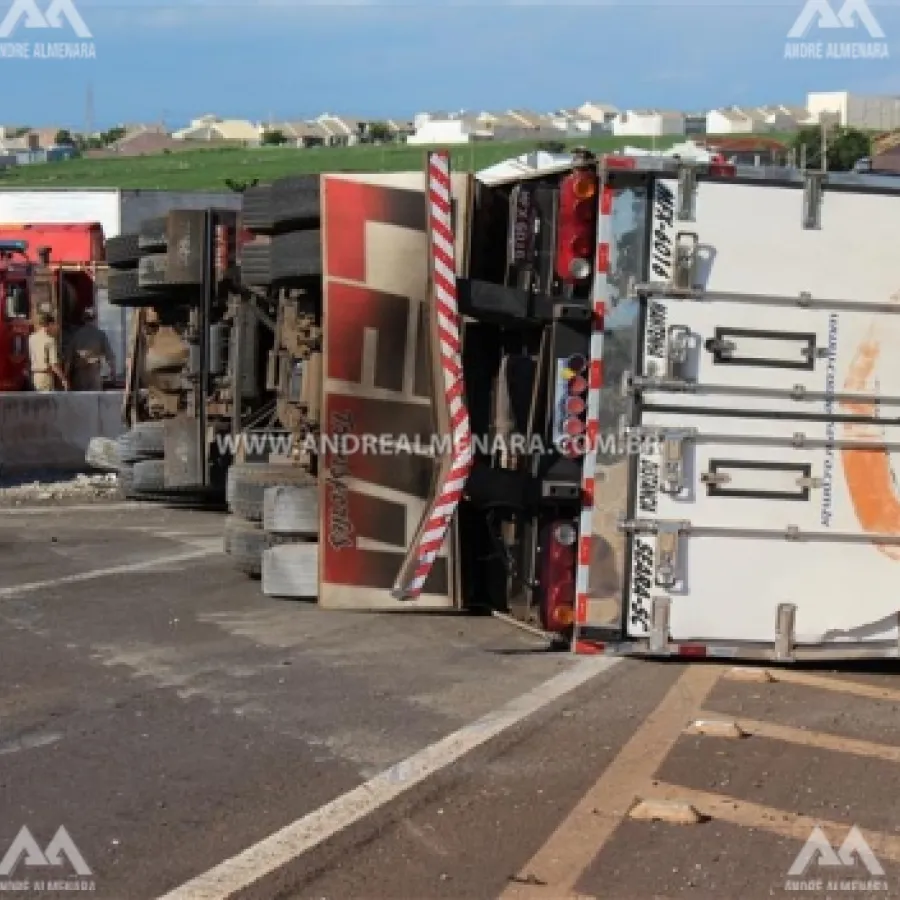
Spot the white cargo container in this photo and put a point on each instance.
(752, 345)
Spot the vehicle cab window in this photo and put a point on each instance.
(17, 304)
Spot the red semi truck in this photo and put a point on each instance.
(50, 268)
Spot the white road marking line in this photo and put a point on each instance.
(93, 574)
(270, 854)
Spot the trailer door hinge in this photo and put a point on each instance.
(811, 483)
(672, 481)
(668, 553)
(684, 272)
(812, 200)
(678, 350)
(687, 192)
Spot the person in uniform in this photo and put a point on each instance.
(87, 350)
(46, 370)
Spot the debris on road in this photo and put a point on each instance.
(83, 488)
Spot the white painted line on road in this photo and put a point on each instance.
(92, 574)
(270, 854)
(56, 509)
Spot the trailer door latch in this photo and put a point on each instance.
(679, 348)
(668, 553)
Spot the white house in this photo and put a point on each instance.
(755, 120)
(446, 131)
(213, 128)
(734, 120)
(648, 123)
(856, 110)
(598, 113)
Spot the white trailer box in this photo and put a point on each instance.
(751, 354)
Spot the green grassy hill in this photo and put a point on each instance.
(208, 169)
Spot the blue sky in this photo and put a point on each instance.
(294, 58)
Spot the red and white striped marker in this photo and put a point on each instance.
(600, 296)
(443, 269)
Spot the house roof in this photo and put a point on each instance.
(300, 129)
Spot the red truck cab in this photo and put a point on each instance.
(43, 268)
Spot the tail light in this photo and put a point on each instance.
(558, 577)
(577, 226)
(571, 415)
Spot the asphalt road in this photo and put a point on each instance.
(173, 720)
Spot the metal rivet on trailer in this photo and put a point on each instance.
(717, 728)
(674, 812)
(750, 674)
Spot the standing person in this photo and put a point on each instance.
(45, 367)
(88, 348)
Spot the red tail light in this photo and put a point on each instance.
(571, 417)
(558, 577)
(577, 226)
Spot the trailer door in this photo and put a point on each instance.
(380, 387)
(763, 508)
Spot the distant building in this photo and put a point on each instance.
(213, 128)
(648, 123)
(450, 131)
(868, 113)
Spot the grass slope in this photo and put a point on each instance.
(208, 169)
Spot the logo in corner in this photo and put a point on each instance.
(819, 852)
(58, 15)
(819, 16)
(61, 853)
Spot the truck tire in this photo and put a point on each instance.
(292, 510)
(285, 257)
(123, 289)
(244, 542)
(248, 483)
(146, 440)
(285, 204)
(123, 252)
(150, 476)
(154, 235)
(291, 571)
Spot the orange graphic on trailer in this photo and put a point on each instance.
(868, 474)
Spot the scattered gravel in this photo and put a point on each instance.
(50, 490)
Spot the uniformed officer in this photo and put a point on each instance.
(45, 367)
(87, 350)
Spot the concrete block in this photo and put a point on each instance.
(53, 431)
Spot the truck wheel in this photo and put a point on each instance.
(126, 482)
(123, 289)
(248, 483)
(287, 203)
(297, 254)
(292, 510)
(153, 269)
(154, 234)
(245, 542)
(285, 257)
(150, 476)
(122, 252)
(146, 440)
(291, 571)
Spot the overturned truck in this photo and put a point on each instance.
(637, 404)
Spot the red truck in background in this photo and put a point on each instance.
(44, 267)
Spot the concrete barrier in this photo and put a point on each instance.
(52, 431)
